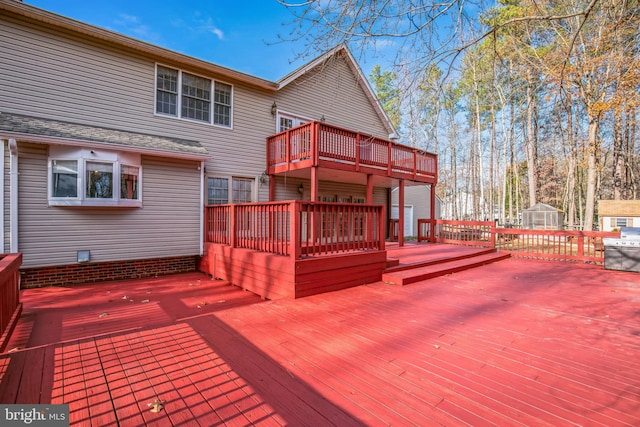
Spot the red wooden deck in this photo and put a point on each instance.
(517, 342)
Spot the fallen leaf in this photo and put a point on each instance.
(103, 315)
(144, 301)
(156, 406)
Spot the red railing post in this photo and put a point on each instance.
(492, 238)
(358, 147)
(233, 229)
(287, 148)
(581, 245)
(295, 242)
(382, 214)
(315, 142)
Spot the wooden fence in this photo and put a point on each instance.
(9, 293)
(296, 228)
(564, 245)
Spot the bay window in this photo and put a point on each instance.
(84, 177)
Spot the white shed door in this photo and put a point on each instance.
(408, 218)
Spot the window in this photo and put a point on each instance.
(222, 106)
(285, 123)
(83, 177)
(621, 222)
(167, 91)
(196, 97)
(64, 178)
(99, 180)
(188, 96)
(218, 190)
(129, 178)
(242, 190)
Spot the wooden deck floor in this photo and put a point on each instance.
(512, 343)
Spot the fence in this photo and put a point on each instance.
(296, 228)
(564, 245)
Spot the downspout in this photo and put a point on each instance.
(202, 203)
(2, 196)
(13, 196)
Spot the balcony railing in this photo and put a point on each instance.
(562, 245)
(296, 228)
(320, 144)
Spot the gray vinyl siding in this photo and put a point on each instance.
(167, 225)
(65, 78)
(287, 189)
(333, 91)
(6, 207)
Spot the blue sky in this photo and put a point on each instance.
(238, 34)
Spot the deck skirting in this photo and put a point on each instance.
(276, 276)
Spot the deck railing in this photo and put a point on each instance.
(564, 245)
(318, 143)
(9, 289)
(296, 228)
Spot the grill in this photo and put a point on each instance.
(624, 253)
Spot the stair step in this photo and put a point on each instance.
(392, 262)
(431, 261)
(407, 276)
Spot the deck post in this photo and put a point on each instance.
(371, 216)
(401, 213)
(432, 209)
(369, 197)
(314, 184)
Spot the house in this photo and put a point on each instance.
(616, 214)
(113, 147)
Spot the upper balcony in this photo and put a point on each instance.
(316, 144)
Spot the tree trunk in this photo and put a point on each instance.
(531, 150)
(592, 174)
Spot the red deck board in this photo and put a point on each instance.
(271, 379)
(519, 342)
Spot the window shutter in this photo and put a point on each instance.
(613, 222)
(629, 222)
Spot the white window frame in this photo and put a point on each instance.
(83, 156)
(179, 96)
(230, 181)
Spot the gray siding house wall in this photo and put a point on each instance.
(56, 69)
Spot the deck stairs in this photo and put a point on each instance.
(398, 273)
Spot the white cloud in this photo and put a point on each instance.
(133, 26)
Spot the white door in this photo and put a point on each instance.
(408, 218)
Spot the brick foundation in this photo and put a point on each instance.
(74, 274)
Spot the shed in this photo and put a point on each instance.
(543, 216)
